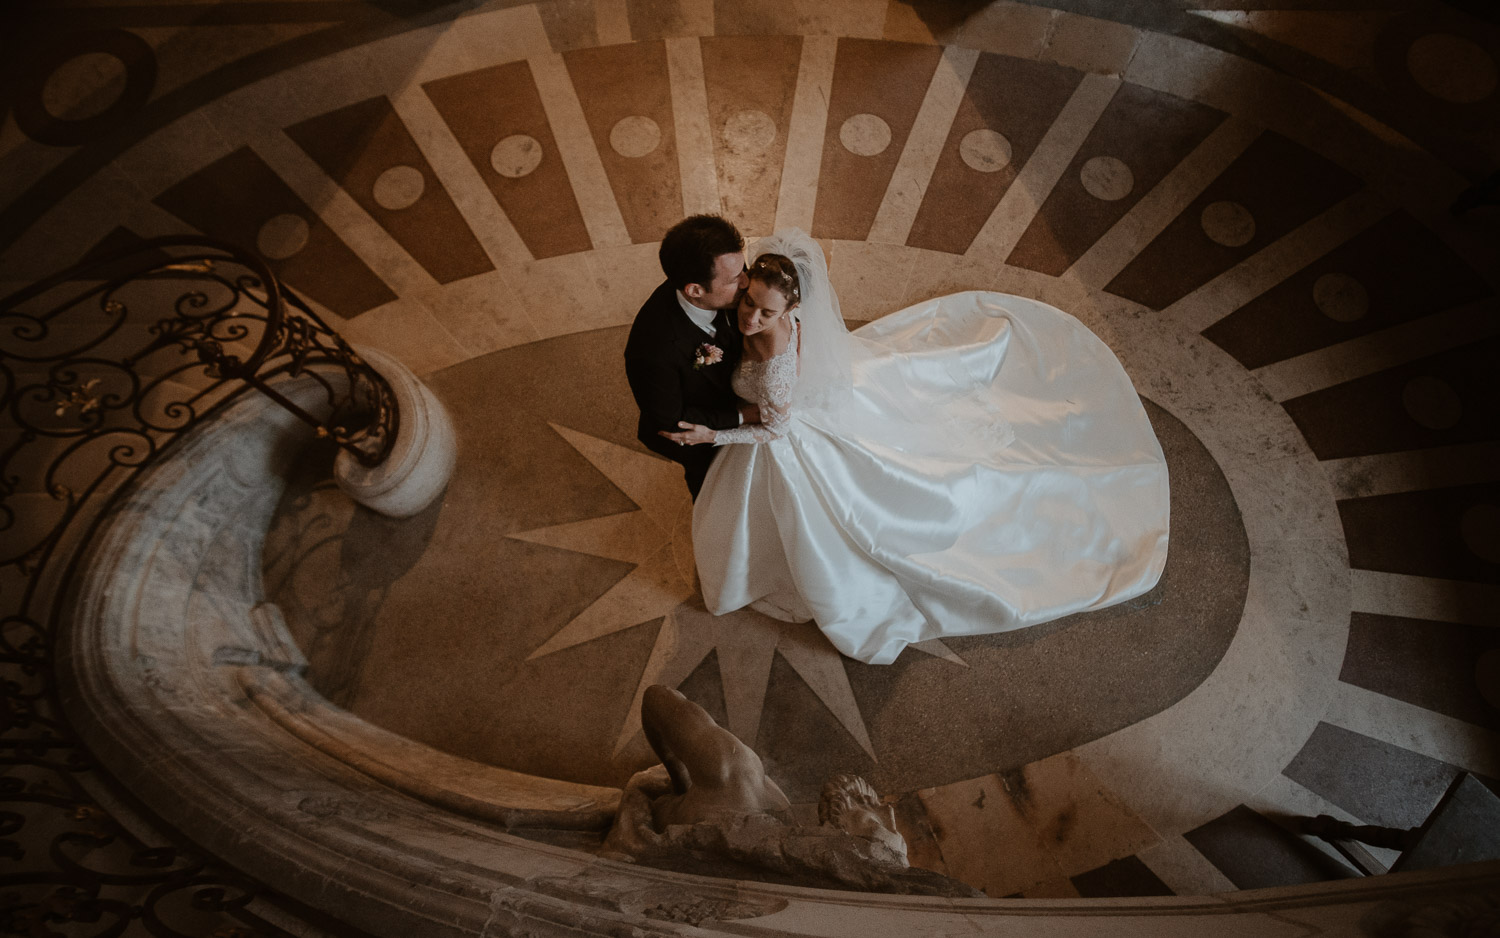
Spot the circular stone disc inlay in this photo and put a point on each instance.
(1340, 297)
(84, 86)
(1452, 68)
(635, 136)
(749, 132)
(1480, 527)
(399, 187)
(984, 150)
(1432, 402)
(1107, 178)
(516, 155)
(865, 135)
(1228, 223)
(282, 236)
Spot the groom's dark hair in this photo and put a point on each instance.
(690, 247)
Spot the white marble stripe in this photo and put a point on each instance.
(1102, 262)
(807, 126)
(612, 22)
(1185, 871)
(1414, 470)
(1036, 179)
(337, 208)
(488, 38)
(1420, 597)
(695, 145)
(473, 198)
(1277, 261)
(1288, 799)
(929, 133)
(1415, 728)
(575, 144)
(1378, 351)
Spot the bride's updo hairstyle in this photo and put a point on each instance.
(778, 273)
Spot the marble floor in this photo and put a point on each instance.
(1248, 201)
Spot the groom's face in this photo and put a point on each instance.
(729, 278)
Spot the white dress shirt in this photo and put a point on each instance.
(702, 318)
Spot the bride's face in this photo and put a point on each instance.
(761, 307)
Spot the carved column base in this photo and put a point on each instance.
(420, 463)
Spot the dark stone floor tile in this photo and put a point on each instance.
(1123, 877)
(631, 81)
(1378, 783)
(1149, 132)
(888, 80)
(118, 240)
(490, 105)
(1394, 272)
(234, 197)
(1465, 828)
(1443, 399)
(1255, 852)
(801, 741)
(1012, 97)
(705, 688)
(744, 75)
(1281, 184)
(1444, 533)
(363, 147)
(1429, 664)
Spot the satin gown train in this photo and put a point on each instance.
(994, 470)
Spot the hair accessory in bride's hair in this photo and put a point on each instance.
(778, 273)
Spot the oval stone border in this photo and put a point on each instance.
(1414, 178)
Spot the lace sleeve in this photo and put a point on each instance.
(774, 384)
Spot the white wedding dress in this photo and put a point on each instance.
(971, 464)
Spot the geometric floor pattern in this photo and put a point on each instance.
(1250, 206)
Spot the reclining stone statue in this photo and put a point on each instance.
(710, 808)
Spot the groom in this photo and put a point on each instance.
(684, 343)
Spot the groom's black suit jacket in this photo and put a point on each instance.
(659, 357)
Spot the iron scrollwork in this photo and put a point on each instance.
(102, 366)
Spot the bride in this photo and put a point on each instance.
(971, 464)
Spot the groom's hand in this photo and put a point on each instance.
(691, 434)
(749, 413)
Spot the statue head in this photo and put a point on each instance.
(851, 805)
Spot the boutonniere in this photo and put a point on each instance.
(707, 354)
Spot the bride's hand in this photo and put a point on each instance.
(691, 435)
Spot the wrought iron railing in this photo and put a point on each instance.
(102, 366)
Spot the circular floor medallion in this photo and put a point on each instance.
(1106, 178)
(1340, 297)
(1228, 223)
(516, 156)
(1432, 402)
(984, 150)
(399, 187)
(85, 86)
(1480, 527)
(635, 136)
(66, 97)
(865, 135)
(282, 236)
(1452, 68)
(749, 132)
